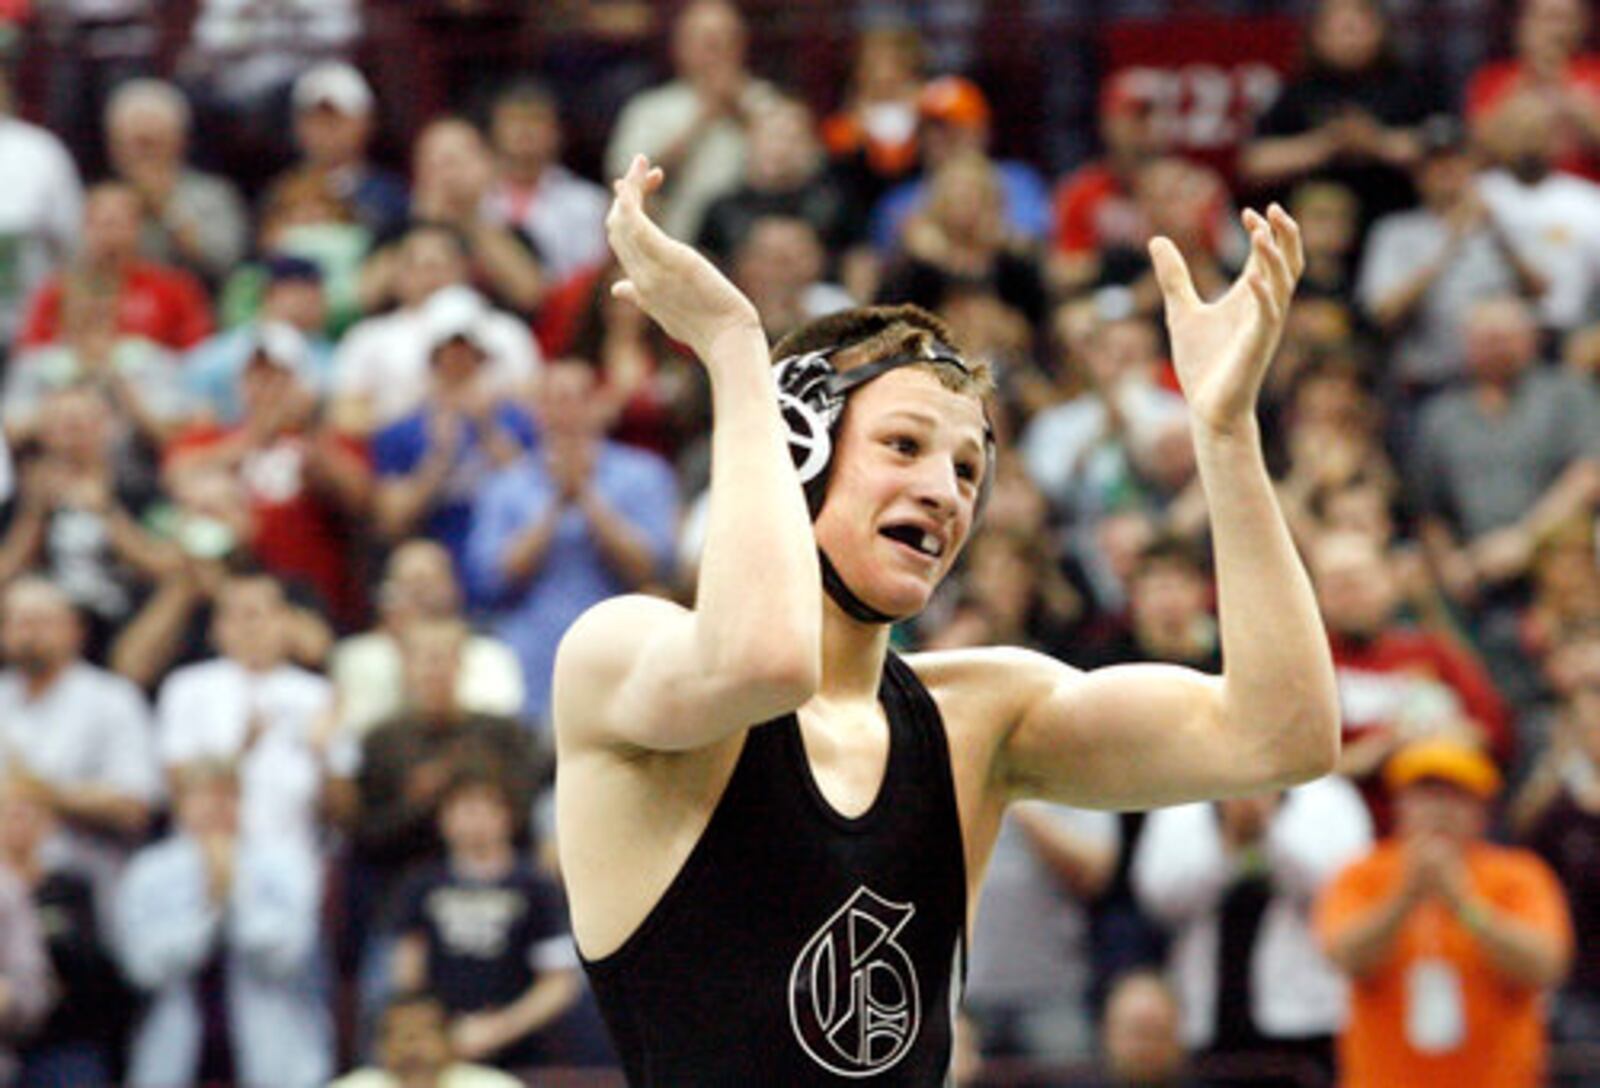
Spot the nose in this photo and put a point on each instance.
(938, 489)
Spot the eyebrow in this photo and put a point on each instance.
(928, 420)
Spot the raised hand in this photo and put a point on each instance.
(680, 289)
(1222, 349)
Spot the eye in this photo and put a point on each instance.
(904, 444)
(967, 471)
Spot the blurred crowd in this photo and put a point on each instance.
(305, 470)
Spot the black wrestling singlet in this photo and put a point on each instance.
(798, 947)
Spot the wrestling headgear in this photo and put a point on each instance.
(811, 397)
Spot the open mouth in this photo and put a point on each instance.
(918, 540)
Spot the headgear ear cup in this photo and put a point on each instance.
(811, 397)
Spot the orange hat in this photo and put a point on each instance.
(953, 100)
(1443, 760)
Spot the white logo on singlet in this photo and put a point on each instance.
(854, 1003)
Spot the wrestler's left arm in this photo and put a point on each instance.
(1145, 735)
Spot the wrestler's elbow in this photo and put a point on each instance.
(1310, 748)
(777, 679)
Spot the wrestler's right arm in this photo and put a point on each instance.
(643, 672)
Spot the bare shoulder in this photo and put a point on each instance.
(989, 689)
(596, 656)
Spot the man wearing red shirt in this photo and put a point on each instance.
(1095, 206)
(1397, 683)
(153, 301)
(306, 484)
(1549, 36)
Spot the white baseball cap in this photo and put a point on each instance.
(335, 84)
(456, 312)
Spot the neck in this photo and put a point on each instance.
(852, 655)
(37, 682)
(485, 861)
(523, 172)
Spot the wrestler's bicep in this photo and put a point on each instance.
(633, 671)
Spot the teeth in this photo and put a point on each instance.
(930, 544)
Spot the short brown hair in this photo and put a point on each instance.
(873, 332)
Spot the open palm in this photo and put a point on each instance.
(1222, 349)
(672, 282)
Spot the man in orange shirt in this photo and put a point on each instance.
(1449, 940)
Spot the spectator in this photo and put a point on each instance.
(292, 311)
(41, 209)
(209, 520)
(25, 976)
(1234, 883)
(250, 707)
(1423, 269)
(1397, 683)
(408, 760)
(579, 520)
(219, 928)
(78, 740)
(333, 126)
(779, 265)
(959, 243)
(693, 127)
(1548, 59)
(1326, 212)
(1169, 618)
(414, 1051)
(191, 220)
(534, 193)
(953, 120)
(92, 1006)
(452, 176)
(1028, 981)
(1497, 464)
(486, 933)
(79, 516)
(305, 217)
(1123, 411)
(1450, 942)
(872, 139)
(1557, 814)
(157, 302)
(1141, 1036)
(1349, 115)
(380, 370)
(1552, 218)
(1094, 207)
(419, 587)
(306, 484)
(785, 177)
(434, 461)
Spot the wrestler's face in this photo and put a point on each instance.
(905, 481)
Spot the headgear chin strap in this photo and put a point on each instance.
(811, 398)
(846, 598)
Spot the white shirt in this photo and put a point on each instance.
(459, 1075)
(1031, 941)
(1057, 444)
(1182, 871)
(41, 208)
(564, 214)
(1555, 226)
(90, 727)
(384, 361)
(370, 678)
(653, 120)
(206, 711)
